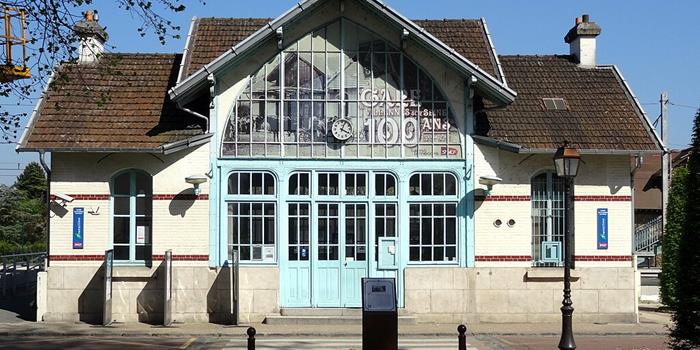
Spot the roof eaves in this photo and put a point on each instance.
(501, 92)
(496, 143)
(640, 111)
(494, 56)
(186, 143)
(21, 145)
(187, 52)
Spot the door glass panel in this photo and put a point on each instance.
(328, 231)
(298, 222)
(355, 232)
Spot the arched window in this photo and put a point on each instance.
(548, 210)
(132, 203)
(392, 107)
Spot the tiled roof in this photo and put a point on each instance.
(118, 103)
(211, 37)
(600, 114)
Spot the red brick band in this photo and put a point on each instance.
(156, 197)
(101, 257)
(503, 258)
(576, 198)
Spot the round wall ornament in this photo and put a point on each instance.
(342, 129)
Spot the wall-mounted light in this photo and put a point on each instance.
(196, 180)
(489, 181)
(64, 198)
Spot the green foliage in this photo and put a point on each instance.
(675, 222)
(23, 212)
(686, 317)
(8, 248)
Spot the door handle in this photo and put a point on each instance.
(345, 264)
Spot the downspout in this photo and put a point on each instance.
(638, 159)
(198, 115)
(47, 169)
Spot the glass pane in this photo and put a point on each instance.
(257, 180)
(122, 184)
(390, 185)
(305, 75)
(121, 252)
(121, 230)
(273, 81)
(269, 230)
(361, 184)
(121, 205)
(414, 185)
(144, 252)
(233, 230)
(439, 184)
(144, 206)
(426, 184)
(333, 184)
(450, 185)
(350, 184)
(293, 253)
(143, 231)
(245, 253)
(294, 184)
(244, 184)
(333, 76)
(233, 184)
(269, 184)
(304, 184)
(379, 186)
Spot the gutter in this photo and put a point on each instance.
(515, 148)
(167, 148)
(503, 145)
(185, 144)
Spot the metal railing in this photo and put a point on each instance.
(648, 236)
(20, 271)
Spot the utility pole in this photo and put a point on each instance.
(666, 158)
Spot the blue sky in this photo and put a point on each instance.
(655, 44)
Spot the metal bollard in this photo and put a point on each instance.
(14, 277)
(462, 329)
(4, 276)
(251, 338)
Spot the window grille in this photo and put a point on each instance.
(548, 212)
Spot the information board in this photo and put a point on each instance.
(602, 228)
(78, 226)
(107, 301)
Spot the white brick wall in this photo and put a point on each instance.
(181, 225)
(600, 175)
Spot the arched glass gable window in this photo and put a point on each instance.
(132, 203)
(548, 210)
(342, 71)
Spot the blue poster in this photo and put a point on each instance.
(602, 228)
(78, 225)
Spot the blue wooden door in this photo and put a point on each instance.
(327, 263)
(355, 253)
(297, 277)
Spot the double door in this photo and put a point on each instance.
(332, 246)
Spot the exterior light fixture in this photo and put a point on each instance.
(566, 161)
(196, 180)
(489, 181)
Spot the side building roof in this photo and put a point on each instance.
(600, 112)
(119, 103)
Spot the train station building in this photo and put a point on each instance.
(337, 141)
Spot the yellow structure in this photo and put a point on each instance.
(13, 70)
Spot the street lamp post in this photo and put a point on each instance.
(566, 161)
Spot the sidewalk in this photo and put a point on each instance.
(651, 323)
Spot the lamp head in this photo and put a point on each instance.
(196, 180)
(566, 161)
(489, 181)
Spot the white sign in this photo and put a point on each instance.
(141, 234)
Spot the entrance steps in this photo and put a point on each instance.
(327, 316)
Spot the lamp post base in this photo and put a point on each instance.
(566, 342)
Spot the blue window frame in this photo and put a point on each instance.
(132, 215)
(548, 210)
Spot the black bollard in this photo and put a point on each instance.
(462, 337)
(251, 338)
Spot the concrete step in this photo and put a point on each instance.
(329, 312)
(326, 320)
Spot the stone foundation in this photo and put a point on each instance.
(200, 294)
(513, 295)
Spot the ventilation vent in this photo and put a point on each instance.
(554, 104)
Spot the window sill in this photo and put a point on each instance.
(133, 271)
(549, 274)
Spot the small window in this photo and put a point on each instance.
(554, 104)
(433, 184)
(384, 185)
(132, 202)
(251, 183)
(328, 184)
(355, 184)
(433, 232)
(299, 184)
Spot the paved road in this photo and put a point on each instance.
(611, 342)
(92, 343)
(417, 343)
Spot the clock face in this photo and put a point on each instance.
(342, 129)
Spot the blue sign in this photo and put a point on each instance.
(602, 228)
(303, 252)
(78, 227)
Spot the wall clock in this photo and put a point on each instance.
(342, 129)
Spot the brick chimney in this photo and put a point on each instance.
(92, 38)
(582, 41)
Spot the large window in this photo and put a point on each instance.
(432, 222)
(252, 219)
(548, 210)
(342, 71)
(132, 197)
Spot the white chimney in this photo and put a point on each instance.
(582, 41)
(92, 38)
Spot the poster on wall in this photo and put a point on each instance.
(78, 225)
(602, 228)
